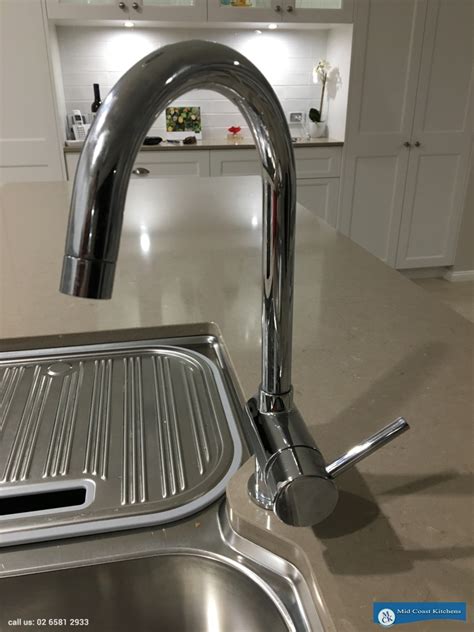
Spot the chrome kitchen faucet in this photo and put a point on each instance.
(291, 476)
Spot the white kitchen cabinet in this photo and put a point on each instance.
(235, 162)
(407, 141)
(318, 162)
(85, 10)
(257, 11)
(311, 162)
(318, 11)
(439, 156)
(135, 10)
(315, 190)
(30, 148)
(160, 164)
(317, 173)
(320, 195)
(168, 10)
(379, 121)
(173, 163)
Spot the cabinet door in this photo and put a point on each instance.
(29, 136)
(318, 11)
(311, 162)
(169, 10)
(438, 167)
(168, 163)
(171, 163)
(89, 10)
(244, 10)
(388, 36)
(235, 162)
(321, 197)
(318, 162)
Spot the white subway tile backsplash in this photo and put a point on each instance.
(222, 120)
(298, 105)
(83, 78)
(220, 107)
(92, 64)
(102, 54)
(302, 92)
(289, 78)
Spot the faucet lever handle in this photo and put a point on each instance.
(364, 448)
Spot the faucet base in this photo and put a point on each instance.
(270, 403)
(258, 493)
(290, 476)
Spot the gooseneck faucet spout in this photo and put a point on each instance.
(107, 159)
(291, 475)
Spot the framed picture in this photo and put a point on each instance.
(182, 122)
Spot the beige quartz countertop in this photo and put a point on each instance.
(246, 143)
(369, 345)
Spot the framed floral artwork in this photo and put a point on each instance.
(182, 122)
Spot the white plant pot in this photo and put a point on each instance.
(316, 130)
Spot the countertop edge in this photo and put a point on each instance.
(219, 146)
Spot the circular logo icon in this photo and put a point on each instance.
(386, 617)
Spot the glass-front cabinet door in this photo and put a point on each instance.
(170, 10)
(87, 9)
(201, 10)
(244, 10)
(133, 10)
(336, 11)
(280, 10)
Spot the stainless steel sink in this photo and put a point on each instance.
(168, 562)
(196, 575)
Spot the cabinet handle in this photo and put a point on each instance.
(406, 144)
(122, 6)
(141, 171)
(278, 8)
(417, 143)
(135, 6)
(289, 9)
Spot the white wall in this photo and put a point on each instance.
(338, 53)
(101, 55)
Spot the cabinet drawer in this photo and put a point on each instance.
(171, 163)
(235, 162)
(318, 162)
(161, 164)
(311, 162)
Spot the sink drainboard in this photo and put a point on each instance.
(104, 437)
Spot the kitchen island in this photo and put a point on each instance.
(369, 346)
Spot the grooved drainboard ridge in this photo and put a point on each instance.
(147, 431)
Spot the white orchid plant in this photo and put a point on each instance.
(320, 75)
